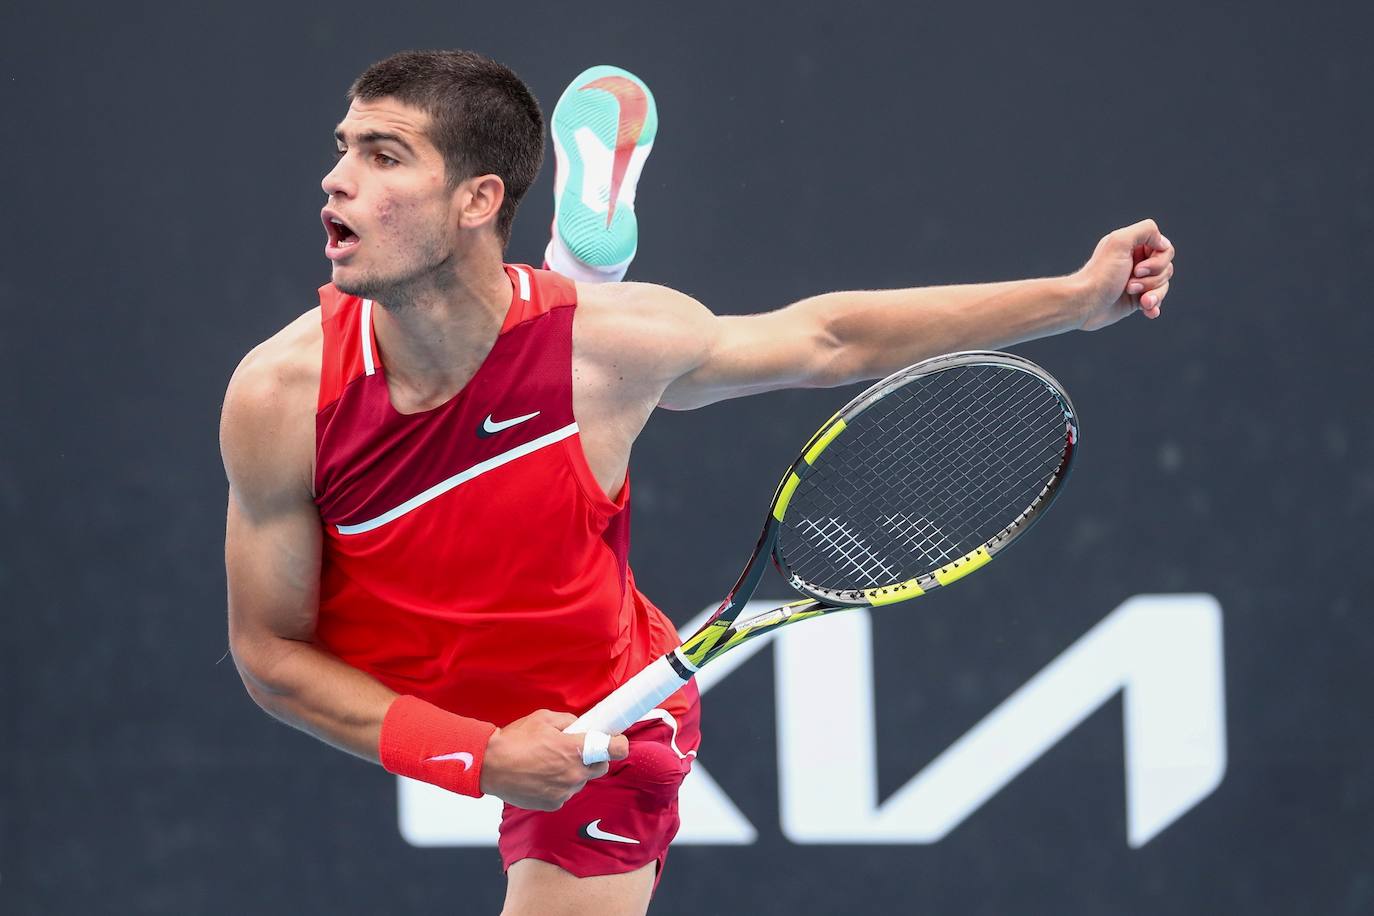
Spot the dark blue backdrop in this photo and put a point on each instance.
(161, 172)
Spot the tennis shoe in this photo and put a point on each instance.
(603, 128)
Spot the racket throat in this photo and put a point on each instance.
(680, 664)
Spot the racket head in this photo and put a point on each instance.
(922, 478)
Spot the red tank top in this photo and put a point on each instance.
(470, 557)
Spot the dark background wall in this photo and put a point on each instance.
(161, 170)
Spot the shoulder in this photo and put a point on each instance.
(658, 331)
(637, 300)
(267, 427)
(283, 363)
(279, 372)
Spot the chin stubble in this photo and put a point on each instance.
(399, 292)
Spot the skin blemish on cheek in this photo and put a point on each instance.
(392, 212)
(386, 211)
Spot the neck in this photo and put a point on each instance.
(434, 336)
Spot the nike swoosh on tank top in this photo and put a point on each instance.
(487, 574)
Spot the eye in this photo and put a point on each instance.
(384, 159)
(339, 153)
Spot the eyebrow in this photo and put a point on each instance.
(376, 136)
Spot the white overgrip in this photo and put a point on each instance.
(630, 700)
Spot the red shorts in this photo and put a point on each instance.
(622, 821)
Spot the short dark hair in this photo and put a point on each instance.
(483, 118)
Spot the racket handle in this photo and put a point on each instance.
(631, 700)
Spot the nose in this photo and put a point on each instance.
(337, 182)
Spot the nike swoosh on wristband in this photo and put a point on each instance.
(593, 831)
(462, 757)
(491, 427)
(634, 105)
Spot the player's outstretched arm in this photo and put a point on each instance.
(838, 338)
(273, 545)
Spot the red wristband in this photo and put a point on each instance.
(424, 742)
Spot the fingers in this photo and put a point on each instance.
(532, 763)
(1149, 246)
(1151, 301)
(1155, 268)
(1144, 282)
(595, 747)
(1154, 261)
(599, 746)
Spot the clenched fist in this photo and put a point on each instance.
(1130, 270)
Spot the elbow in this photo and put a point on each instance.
(256, 665)
(265, 700)
(256, 686)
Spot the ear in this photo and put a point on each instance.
(478, 201)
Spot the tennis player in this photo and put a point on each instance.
(428, 523)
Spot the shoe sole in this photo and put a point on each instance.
(603, 128)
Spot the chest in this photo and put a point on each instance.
(372, 456)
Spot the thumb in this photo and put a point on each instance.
(620, 747)
(1145, 233)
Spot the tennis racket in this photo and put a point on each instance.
(917, 482)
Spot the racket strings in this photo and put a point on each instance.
(978, 474)
(1013, 455)
(930, 471)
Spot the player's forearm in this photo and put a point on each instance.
(310, 689)
(878, 332)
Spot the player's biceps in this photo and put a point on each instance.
(272, 567)
(753, 354)
(801, 346)
(726, 377)
(781, 349)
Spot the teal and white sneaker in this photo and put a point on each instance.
(603, 128)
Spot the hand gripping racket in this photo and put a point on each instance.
(916, 483)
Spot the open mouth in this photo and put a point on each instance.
(341, 235)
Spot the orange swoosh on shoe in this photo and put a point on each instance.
(634, 105)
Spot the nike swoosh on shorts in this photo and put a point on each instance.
(593, 831)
